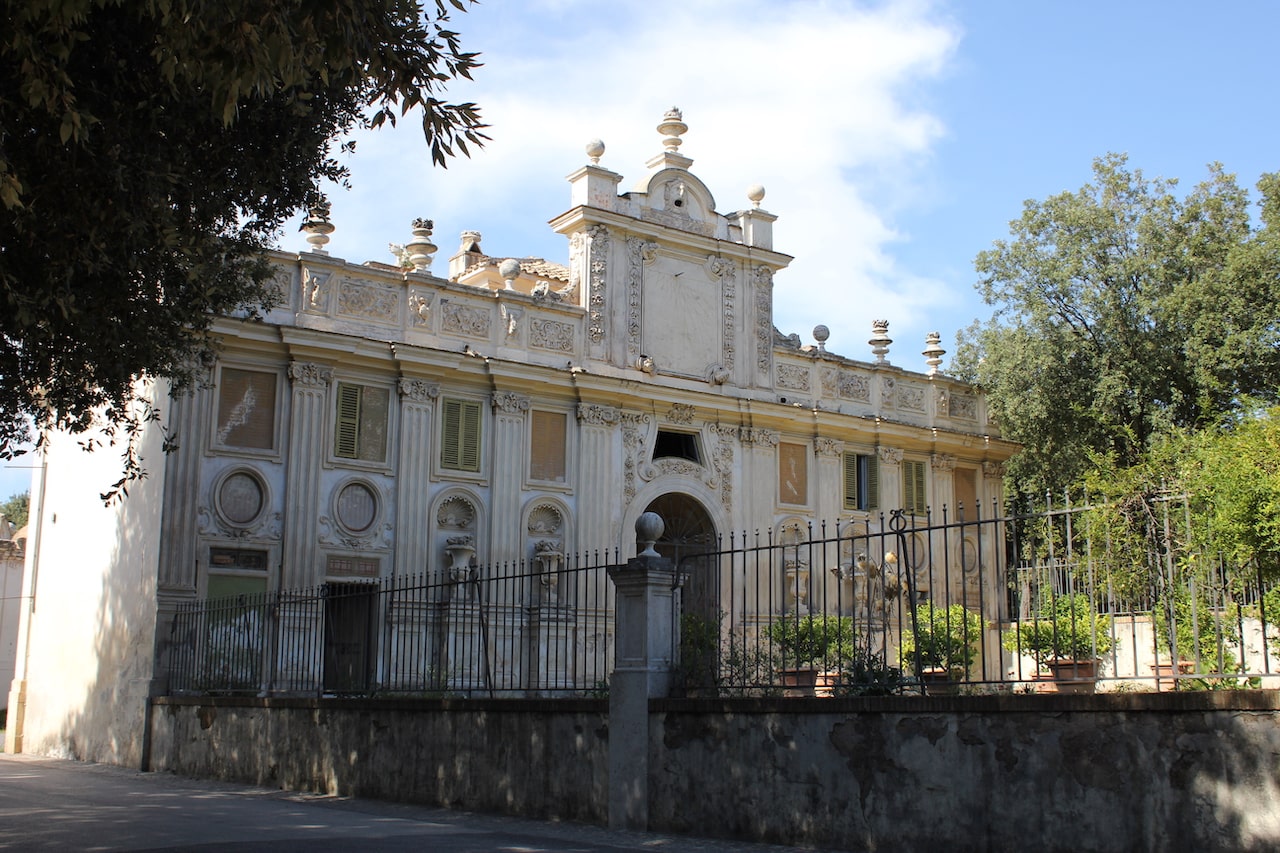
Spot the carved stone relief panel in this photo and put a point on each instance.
(355, 518)
(911, 397)
(855, 386)
(511, 318)
(793, 376)
(964, 406)
(239, 506)
(367, 300)
(510, 403)
(888, 391)
(461, 319)
(550, 335)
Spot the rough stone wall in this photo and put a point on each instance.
(530, 758)
(1109, 772)
(1124, 772)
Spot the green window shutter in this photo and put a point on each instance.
(450, 429)
(872, 480)
(851, 481)
(914, 500)
(346, 432)
(460, 436)
(469, 440)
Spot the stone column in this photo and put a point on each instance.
(643, 658)
(510, 411)
(189, 416)
(417, 408)
(308, 415)
(596, 473)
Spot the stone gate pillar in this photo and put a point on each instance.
(643, 657)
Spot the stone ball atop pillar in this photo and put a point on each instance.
(649, 527)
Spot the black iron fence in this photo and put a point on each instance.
(1045, 601)
(1057, 599)
(504, 630)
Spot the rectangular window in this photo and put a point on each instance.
(460, 435)
(861, 481)
(246, 409)
(914, 498)
(547, 453)
(793, 473)
(360, 426)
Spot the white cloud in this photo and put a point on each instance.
(813, 100)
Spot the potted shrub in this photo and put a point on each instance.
(810, 645)
(946, 639)
(1066, 640)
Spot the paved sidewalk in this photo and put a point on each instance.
(46, 804)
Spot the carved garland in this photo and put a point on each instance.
(640, 253)
(598, 270)
(510, 403)
(764, 319)
(727, 272)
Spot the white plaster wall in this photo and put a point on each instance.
(10, 616)
(88, 664)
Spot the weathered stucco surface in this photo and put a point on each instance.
(532, 758)
(1118, 772)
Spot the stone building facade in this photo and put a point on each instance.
(380, 416)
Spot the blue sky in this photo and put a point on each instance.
(895, 139)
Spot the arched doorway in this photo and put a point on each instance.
(688, 530)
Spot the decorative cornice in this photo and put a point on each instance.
(418, 390)
(309, 374)
(596, 415)
(827, 447)
(891, 455)
(509, 402)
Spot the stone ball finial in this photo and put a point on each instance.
(509, 270)
(755, 194)
(671, 127)
(595, 150)
(649, 527)
(820, 334)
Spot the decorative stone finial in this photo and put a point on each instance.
(649, 527)
(880, 340)
(318, 227)
(510, 271)
(671, 127)
(820, 334)
(755, 194)
(420, 248)
(595, 150)
(933, 352)
(470, 241)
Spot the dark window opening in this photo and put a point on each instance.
(677, 445)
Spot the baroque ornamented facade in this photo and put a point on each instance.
(383, 420)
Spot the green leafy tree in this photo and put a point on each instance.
(16, 508)
(149, 153)
(1124, 311)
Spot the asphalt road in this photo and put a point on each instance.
(46, 804)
